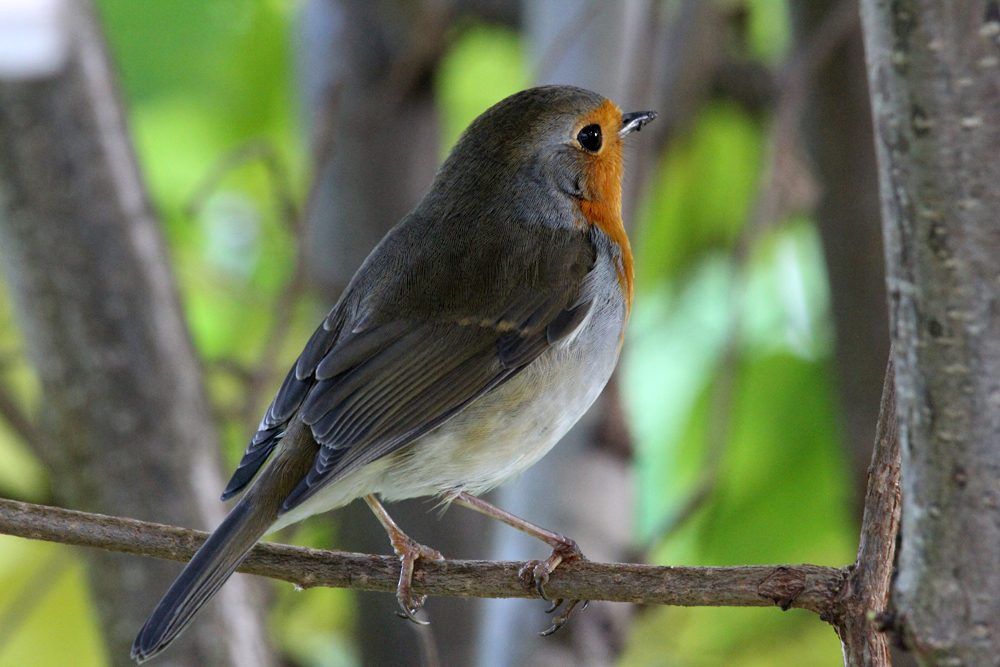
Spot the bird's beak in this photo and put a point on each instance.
(633, 122)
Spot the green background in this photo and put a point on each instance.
(200, 79)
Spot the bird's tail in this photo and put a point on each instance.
(204, 575)
(226, 548)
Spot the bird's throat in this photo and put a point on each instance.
(602, 205)
(608, 219)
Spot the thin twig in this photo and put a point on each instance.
(715, 441)
(809, 587)
(865, 597)
(801, 69)
(324, 145)
(18, 420)
(284, 304)
(231, 367)
(428, 39)
(252, 151)
(281, 322)
(257, 380)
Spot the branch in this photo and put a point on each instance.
(787, 184)
(719, 421)
(866, 594)
(564, 39)
(255, 150)
(809, 587)
(18, 420)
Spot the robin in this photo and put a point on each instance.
(478, 331)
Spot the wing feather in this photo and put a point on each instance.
(393, 400)
(384, 370)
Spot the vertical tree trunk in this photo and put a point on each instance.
(838, 132)
(366, 74)
(123, 406)
(934, 73)
(838, 129)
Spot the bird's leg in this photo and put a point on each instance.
(534, 572)
(408, 551)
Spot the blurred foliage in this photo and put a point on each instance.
(46, 617)
(701, 196)
(780, 491)
(769, 29)
(481, 54)
(201, 79)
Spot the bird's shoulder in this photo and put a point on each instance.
(468, 270)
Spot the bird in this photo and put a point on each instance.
(475, 334)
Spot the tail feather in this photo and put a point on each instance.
(208, 570)
(226, 548)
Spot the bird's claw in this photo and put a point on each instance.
(536, 573)
(410, 608)
(409, 551)
(561, 619)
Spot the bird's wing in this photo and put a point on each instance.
(370, 389)
(422, 375)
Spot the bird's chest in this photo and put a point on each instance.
(509, 429)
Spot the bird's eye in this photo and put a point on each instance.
(590, 138)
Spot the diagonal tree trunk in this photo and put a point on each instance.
(124, 412)
(934, 73)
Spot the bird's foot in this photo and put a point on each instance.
(409, 551)
(536, 573)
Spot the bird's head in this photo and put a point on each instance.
(557, 140)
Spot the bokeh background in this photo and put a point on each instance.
(279, 140)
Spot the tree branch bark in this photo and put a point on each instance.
(810, 587)
(866, 593)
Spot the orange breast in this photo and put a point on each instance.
(602, 204)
